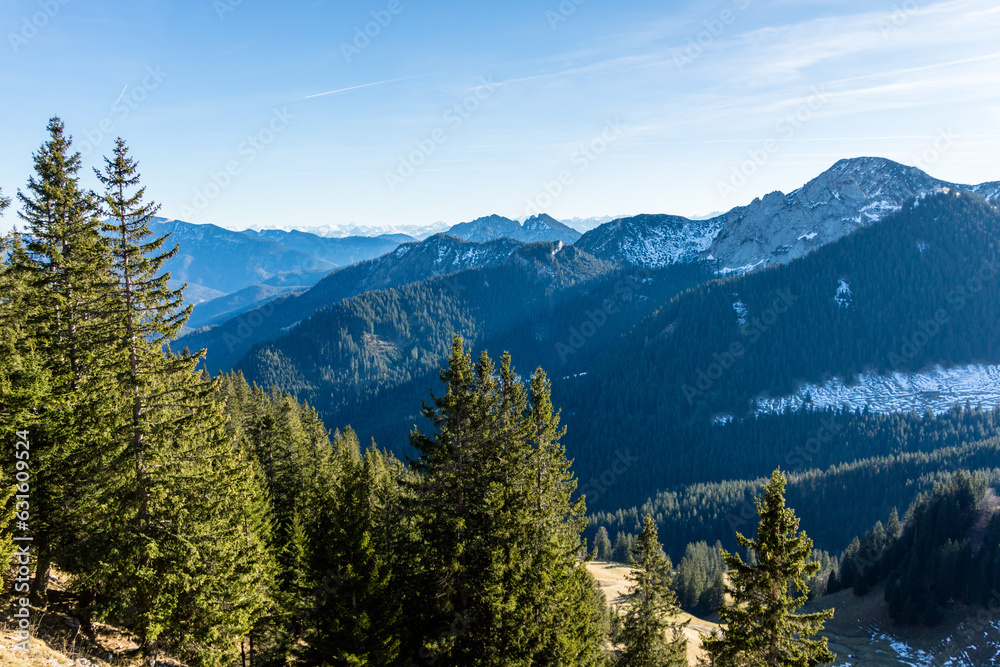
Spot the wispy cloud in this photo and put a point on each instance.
(364, 85)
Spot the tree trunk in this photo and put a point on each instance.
(40, 587)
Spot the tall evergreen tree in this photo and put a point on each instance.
(761, 626)
(185, 557)
(503, 582)
(565, 608)
(602, 544)
(65, 307)
(651, 636)
(359, 621)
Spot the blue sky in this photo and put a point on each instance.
(447, 111)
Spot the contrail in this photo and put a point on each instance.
(364, 85)
(115, 105)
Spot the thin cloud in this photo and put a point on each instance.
(364, 85)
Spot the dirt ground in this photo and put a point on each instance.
(612, 579)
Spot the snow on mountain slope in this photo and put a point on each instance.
(936, 390)
(540, 227)
(651, 240)
(779, 227)
(352, 229)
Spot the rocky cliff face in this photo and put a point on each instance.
(776, 228)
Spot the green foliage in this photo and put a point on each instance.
(60, 311)
(602, 544)
(699, 580)
(650, 635)
(500, 575)
(872, 464)
(933, 561)
(761, 626)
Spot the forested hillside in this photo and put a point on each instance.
(921, 289)
(218, 522)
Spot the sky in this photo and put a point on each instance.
(409, 112)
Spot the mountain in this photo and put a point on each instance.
(372, 231)
(543, 227)
(586, 224)
(918, 289)
(339, 251)
(411, 262)
(357, 348)
(485, 229)
(850, 195)
(540, 227)
(226, 307)
(226, 261)
(651, 240)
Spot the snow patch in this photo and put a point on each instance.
(741, 311)
(740, 269)
(844, 296)
(936, 390)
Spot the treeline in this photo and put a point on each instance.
(217, 522)
(924, 290)
(837, 503)
(384, 345)
(946, 550)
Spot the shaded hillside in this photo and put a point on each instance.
(922, 291)
(339, 251)
(436, 256)
(348, 352)
(228, 261)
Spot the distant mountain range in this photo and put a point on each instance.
(631, 318)
(351, 229)
(776, 228)
(540, 227)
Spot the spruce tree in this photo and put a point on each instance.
(602, 544)
(65, 310)
(359, 621)
(185, 556)
(566, 609)
(502, 582)
(651, 636)
(761, 626)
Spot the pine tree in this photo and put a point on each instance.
(892, 528)
(761, 626)
(183, 526)
(564, 607)
(358, 622)
(651, 637)
(65, 306)
(602, 544)
(502, 579)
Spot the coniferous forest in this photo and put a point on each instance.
(224, 521)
